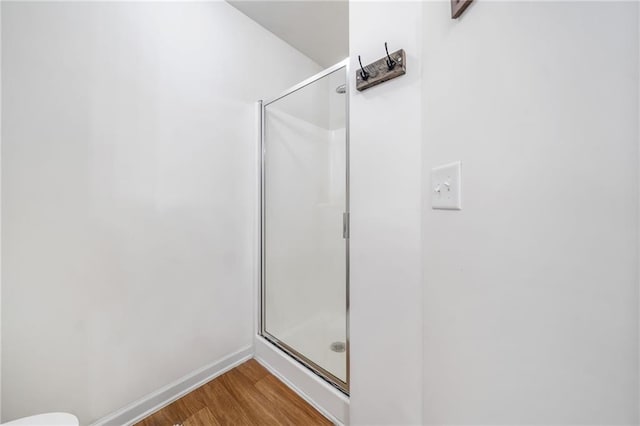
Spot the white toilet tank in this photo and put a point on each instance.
(47, 419)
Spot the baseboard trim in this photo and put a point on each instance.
(164, 396)
(330, 402)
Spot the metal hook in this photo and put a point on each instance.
(390, 62)
(363, 73)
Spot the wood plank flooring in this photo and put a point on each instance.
(246, 395)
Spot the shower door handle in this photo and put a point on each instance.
(345, 225)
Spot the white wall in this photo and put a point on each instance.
(386, 167)
(0, 211)
(128, 196)
(531, 291)
(530, 297)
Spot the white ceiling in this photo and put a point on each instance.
(317, 28)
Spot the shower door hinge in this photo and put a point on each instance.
(345, 225)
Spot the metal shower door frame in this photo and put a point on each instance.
(310, 364)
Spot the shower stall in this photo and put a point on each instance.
(304, 281)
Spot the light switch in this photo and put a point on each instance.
(445, 187)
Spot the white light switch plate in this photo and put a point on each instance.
(445, 187)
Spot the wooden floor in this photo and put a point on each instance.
(246, 395)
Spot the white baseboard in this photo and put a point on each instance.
(153, 402)
(329, 401)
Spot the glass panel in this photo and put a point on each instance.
(304, 280)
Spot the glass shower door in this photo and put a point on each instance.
(305, 224)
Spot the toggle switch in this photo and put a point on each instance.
(446, 187)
